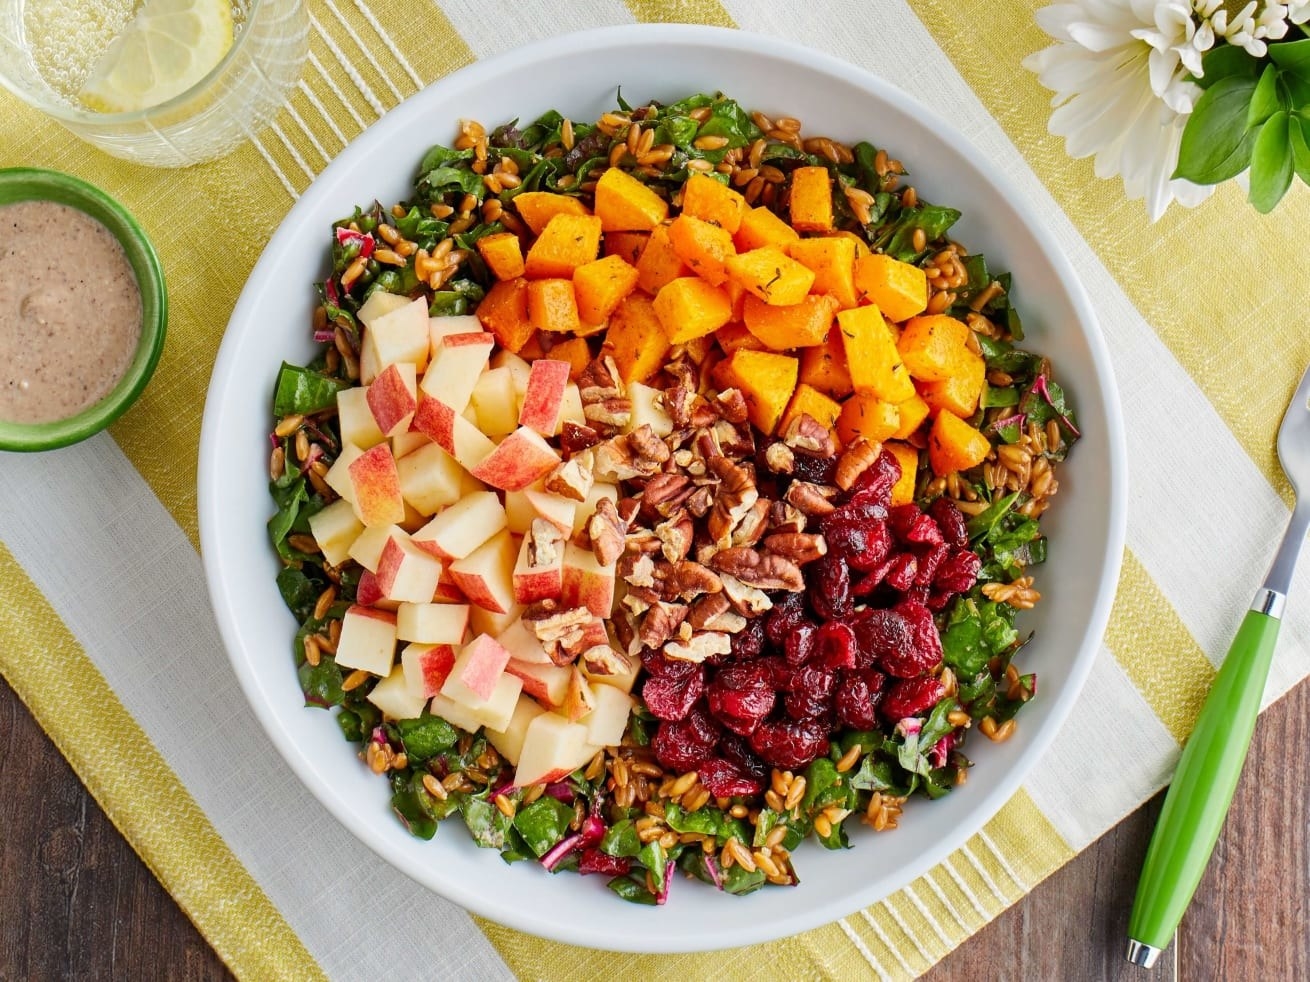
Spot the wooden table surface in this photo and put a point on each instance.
(77, 903)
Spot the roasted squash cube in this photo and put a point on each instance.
(871, 355)
(960, 390)
(504, 312)
(537, 208)
(567, 242)
(702, 246)
(732, 336)
(954, 445)
(600, 285)
(624, 204)
(865, 415)
(552, 305)
(824, 366)
(771, 275)
(659, 263)
(812, 403)
(688, 307)
(832, 258)
(794, 326)
(712, 200)
(931, 345)
(900, 290)
(575, 352)
(908, 457)
(760, 227)
(811, 199)
(913, 412)
(503, 255)
(636, 338)
(628, 246)
(765, 379)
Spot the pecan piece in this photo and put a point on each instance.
(572, 478)
(646, 446)
(564, 634)
(699, 502)
(604, 660)
(545, 543)
(747, 600)
(855, 460)
(637, 570)
(678, 403)
(608, 532)
(676, 533)
(699, 647)
(752, 524)
(778, 457)
(614, 413)
(612, 461)
(765, 571)
(806, 435)
(599, 381)
(575, 438)
(714, 613)
(732, 405)
(799, 547)
(785, 517)
(811, 499)
(662, 494)
(687, 580)
(661, 623)
(737, 495)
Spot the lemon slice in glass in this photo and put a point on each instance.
(168, 47)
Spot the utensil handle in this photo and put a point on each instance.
(1203, 786)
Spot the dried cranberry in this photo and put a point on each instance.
(811, 693)
(873, 579)
(657, 665)
(671, 698)
(911, 697)
(681, 746)
(800, 644)
(950, 521)
(875, 484)
(929, 562)
(830, 588)
(741, 695)
(938, 599)
(788, 611)
(749, 641)
(901, 572)
(857, 700)
(881, 632)
(723, 779)
(593, 860)
(790, 744)
(736, 750)
(863, 543)
(818, 470)
(958, 572)
(910, 525)
(925, 648)
(837, 645)
(779, 671)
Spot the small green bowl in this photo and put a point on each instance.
(33, 184)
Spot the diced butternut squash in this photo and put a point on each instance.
(913, 412)
(760, 227)
(812, 403)
(575, 352)
(628, 246)
(832, 258)
(702, 246)
(861, 245)
(899, 289)
(795, 326)
(706, 198)
(689, 307)
(659, 263)
(552, 305)
(771, 275)
(502, 254)
(624, 204)
(908, 457)
(567, 242)
(865, 415)
(930, 346)
(765, 379)
(733, 335)
(504, 312)
(824, 366)
(537, 208)
(954, 445)
(532, 348)
(636, 338)
(811, 199)
(737, 294)
(959, 391)
(871, 355)
(600, 285)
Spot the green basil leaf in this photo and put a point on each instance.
(1300, 149)
(1264, 101)
(1225, 61)
(1271, 164)
(1292, 56)
(1216, 142)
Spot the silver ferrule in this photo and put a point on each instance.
(1269, 602)
(1142, 955)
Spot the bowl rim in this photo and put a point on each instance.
(19, 184)
(821, 912)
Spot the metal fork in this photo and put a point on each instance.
(1203, 786)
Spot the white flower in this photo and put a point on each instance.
(1298, 11)
(1111, 101)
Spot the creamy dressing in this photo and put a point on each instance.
(70, 311)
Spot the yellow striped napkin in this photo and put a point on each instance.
(107, 636)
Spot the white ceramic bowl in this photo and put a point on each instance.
(579, 75)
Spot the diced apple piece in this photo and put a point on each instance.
(548, 683)
(355, 418)
(393, 696)
(369, 594)
(456, 366)
(648, 408)
(570, 410)
(553, 748)
(585, 510)
(578, 698)
(554, 508)
(523, 644)
(399, 335)
(406, 573)
(495, 402)
(426, 667)
(521, 458)
(519, 370)
(519, 512)
(368, 640)
(483, 621)
(376, 487)
(335, 529)
(406, 442)
(452, 432)
(541, 582)
(623, 682)
(393, 397)
(477, 666)
(463, 526)
(368, 545)
(455, 714)
(544, 396)
(447, 591)
(608, 718)
(431, 623)
(586, 582)
(429, 478)
(440, 328)
(338, 475)
(509, 741)
(486, 575)
(496, 710)
(378, 304)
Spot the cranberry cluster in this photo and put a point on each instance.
(815, 665)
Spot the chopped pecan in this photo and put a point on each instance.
(638, 570)
(687, 580)
(736, 496)
(699, 646)
(678, 403)
(732, 405)
(572, 478)
(599, 381)
(545, 543)
(855, 460)
(778, 457)
(799, 547)
(752, 524)
(714, 613)
(575, 438)
(614, 413)
(608, 532)
(699, 502)
(806, 435)
(676, 533)
(733, 440)
(639, 600)
(811, 499)
(785, 517)
(663, 492)
(563, 633)
(580, 696)
(612, 461)
(625, 634)
(643, 541)
(604, 660)
(661, 623)
(747, 600)
(763, 570)
(645, 445)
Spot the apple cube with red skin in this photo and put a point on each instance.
(368, 545)
(533, 583)
(369, 594)
(452, 432)
(477, 666)
(554, 508)
(463, 526)
(494, 713)
(426, 667)
(338, 475)
(509, 741)
(376, 487)
(586, 582)
(495, 403)
(523, 644)
(553, 748)
(447, 591)
(521, 458)
(483, 621)
(393, 397)
(429, 478)
(393, 696)
(406, 442)
(335, 528)
(355, 419)
(398, 335)
(406, 573)
(430, 623)
(519, 370)
(379, 303)
(486, 575)
(456, 366)
(440, 328)
(368, 640)
(608, 719)
(548, 683)
(543, 398)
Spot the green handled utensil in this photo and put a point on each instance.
(1202, 788)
